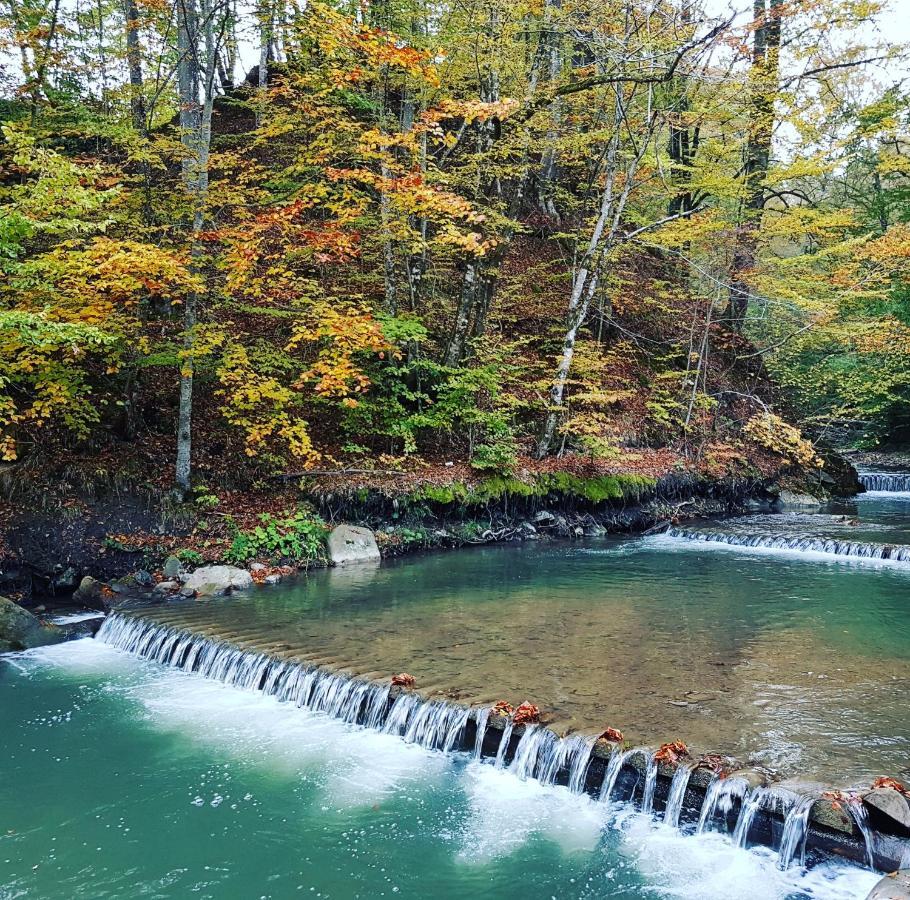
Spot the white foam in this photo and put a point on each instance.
(73, 618)
(667, 542)
(709, 867)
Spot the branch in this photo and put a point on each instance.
(329, 472)
(828, 67)
(680, 215)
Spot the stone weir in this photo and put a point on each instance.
(800, 543)
(694, 795)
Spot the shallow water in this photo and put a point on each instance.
(799, 664)
(125, 779)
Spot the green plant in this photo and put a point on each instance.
(298, 536)
(190, 557)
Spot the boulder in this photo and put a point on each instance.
(143, 578)
(792, 499)
(271, 579)
(528, 531)
(544, 519)
(89, 592)
(172, 567)
(164, 587)
(20, 630)
(895, 886)
(889, 803)
(257, 567)
(212, 581)
(350, 544)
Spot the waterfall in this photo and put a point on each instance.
(483, 717)
(752, 803)
(886, 482)
(677, 794)
(436, 725)
(647, 800)
(529, 750)
(579, 758)
(457, 724)
(719, 798)
(798, 542)
(796, 829)
(503, 745)
(861, 818)
(614, 766)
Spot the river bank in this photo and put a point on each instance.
(54, 533)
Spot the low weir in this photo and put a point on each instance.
(887, 482)
(691, 795)
(802, 543)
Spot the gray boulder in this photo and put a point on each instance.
(89, 593)
(165, 587)
(212, 581)
(889, 803)
(895, 886)
(20, 630)
(544, 519)
(794, 500)
(172, 567)
(350, 544)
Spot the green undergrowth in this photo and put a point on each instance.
(597, 489)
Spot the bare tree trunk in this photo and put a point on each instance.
(197, 135)
(763, 92)
(138, 107)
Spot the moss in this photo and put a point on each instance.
(596, 489)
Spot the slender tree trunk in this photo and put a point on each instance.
(763, 93)
(138, 107)
(196, 128)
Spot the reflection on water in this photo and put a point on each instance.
(801, 666)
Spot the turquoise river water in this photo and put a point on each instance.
(123, 778)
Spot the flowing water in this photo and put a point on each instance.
(786, 660)
(248, 746)
(123, 778)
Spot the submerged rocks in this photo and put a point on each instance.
(212, 581)
(351, 544)
(20, 630)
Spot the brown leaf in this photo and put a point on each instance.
(612, 734)
(526, 714)
(404, 680)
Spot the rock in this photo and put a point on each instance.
(20, 630)
(889, 803)
(257, 567)
(143, 578)
(164, 587)
(88, 592)
(271, 579)
(66, 580)
(802, 501)
(561, 527)
(527, 530)
(212, 581)
(578, 531)
(350, 544)
(895, 886)
(595, 530)
(544, 519)
(172, 567)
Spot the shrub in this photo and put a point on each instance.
(298, 536)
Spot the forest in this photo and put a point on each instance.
(244, 242)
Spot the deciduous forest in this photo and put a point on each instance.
(245, 243)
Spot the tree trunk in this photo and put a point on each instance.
(137, 100)
(763, 93)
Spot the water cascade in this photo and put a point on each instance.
(861, 818)
(752, 803)
(504, 742)
(482, 717)
(798, 542)
(677, 795)
(443, 726)
(719, 798)
(796, 828)
(887, 482)
(614, 767)
(647, 800)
